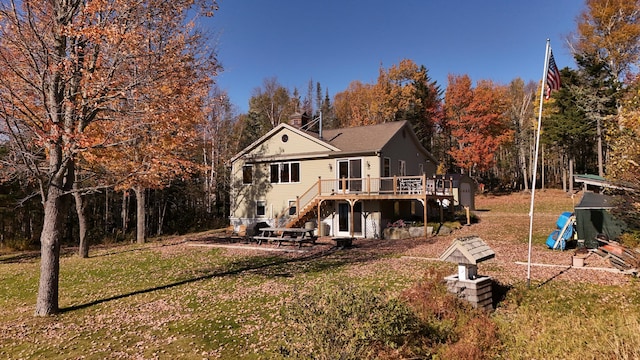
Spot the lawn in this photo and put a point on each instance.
(172, 299)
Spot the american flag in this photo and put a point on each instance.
(553, 75)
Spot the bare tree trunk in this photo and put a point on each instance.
(523, 167)
(55, 210)
(162, 211)
(125, 212)
(542, 169)
(564, 174)
(106, 211)
(83, 247)
(599, 133)
(571, 175)
(140, 214)
(47, 301)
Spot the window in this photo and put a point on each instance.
(247, 174)
(402, 167)
(386, 167)
(285, 172)
(295, 172)
(261, 208)
(292, 208)
(275, 173)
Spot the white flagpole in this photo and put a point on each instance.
(535, 161)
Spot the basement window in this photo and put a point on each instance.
(261, 208)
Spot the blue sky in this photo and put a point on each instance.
(335, 42)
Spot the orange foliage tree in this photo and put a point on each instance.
(357, 105)
(71, 66)
(477, 120)
(609, 31)
(402, 92)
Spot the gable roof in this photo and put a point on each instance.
(359, 139)
(273, 132)
(468, 250)
(363, 138)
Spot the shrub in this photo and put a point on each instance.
(457, 330)
(345, 322)
(349, 322)
(631, 239)
(19, 244)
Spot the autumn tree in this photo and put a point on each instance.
(402, 92)
(477, 120)
(219, 145)
(67, 65)
(608, 31)
(624, 164)
(357, 105)
(271, 104)
(520, 99)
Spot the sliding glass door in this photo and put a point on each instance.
(350, 169)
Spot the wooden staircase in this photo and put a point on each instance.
(308, 212)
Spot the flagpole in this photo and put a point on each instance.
(535, 161)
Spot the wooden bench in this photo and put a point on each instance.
(260, 239)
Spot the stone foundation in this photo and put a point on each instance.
(395, 233)
(477, 291)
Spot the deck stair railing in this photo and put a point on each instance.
(305, 204)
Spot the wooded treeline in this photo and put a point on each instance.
(113, 128)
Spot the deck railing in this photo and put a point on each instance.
(396, 185)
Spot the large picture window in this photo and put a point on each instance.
(285, 172)
(247, 174)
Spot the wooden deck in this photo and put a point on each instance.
(352, 190)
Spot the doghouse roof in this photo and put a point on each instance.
(468, 250)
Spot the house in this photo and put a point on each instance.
(346, 182)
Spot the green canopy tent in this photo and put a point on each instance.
(593, 217)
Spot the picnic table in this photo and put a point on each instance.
(280, 235)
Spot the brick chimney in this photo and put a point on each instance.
(298, 120)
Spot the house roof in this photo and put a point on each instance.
(363, 138)
(359, 139)
(371, 138)
(468, 250)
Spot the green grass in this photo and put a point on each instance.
(561, 320)
(167, 300)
